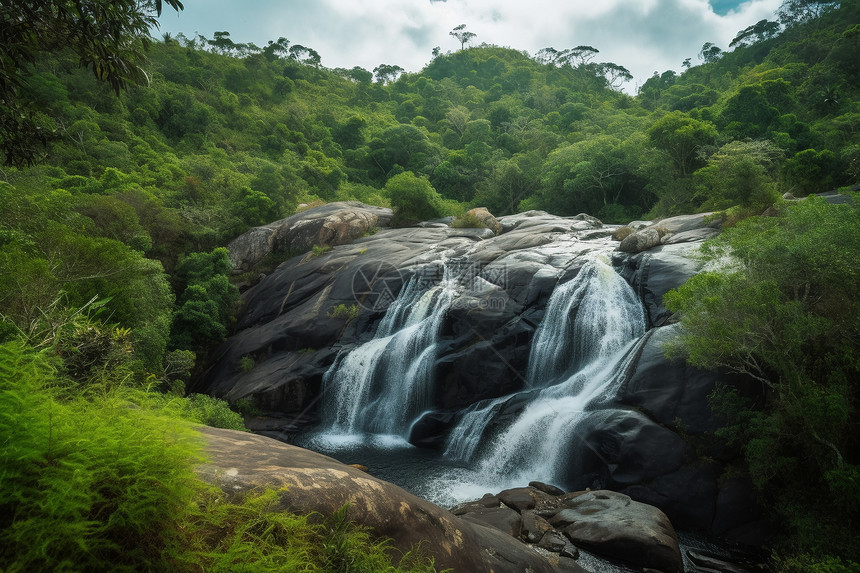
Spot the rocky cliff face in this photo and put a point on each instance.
(491, 294)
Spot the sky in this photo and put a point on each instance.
(644, 36)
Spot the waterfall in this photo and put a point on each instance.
(590, 329)
(380, 386)
(471, 429)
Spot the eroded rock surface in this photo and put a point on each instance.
(325, 226)
(240, 462)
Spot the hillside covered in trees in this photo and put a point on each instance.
(117, 198)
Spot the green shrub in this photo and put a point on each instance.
(212, 411)
(781, 308)
(318, 250)
(413, 199)
(343, 311)
(247, 407)
(246, 364)
(90, 480)
(804, 563)
(467, 221)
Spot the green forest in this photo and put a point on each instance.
(130, 161)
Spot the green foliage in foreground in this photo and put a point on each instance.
(782, 308)
(101, 478)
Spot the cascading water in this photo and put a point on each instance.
(380, 386)
(579, 352)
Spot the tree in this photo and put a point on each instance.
(207, 301)
(387, 73)
(547, 55)
(795, 12)
(740, 173)
(413, 198)
(710, 53)
(615, 75)
(462, 35)
(222, 43)
(275, 50)
(582, 55)
(305, 55)
(587, 176)
(681, 137)
(108, 36)
(758, 32)
(503, 190)
(783, 311)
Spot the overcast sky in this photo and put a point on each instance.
(642, 35)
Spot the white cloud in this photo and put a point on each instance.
(641, 35)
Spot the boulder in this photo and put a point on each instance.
(520, 498)
(534, 527)
(683, 223)
(486, 218)
(240, 462)
(327, 225)
(504, 519)
(553, 541)
(546, 488)
(640, 240)
(613, 525)
(737, 516)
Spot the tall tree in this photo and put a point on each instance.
(462, 35)
(710, 53)
(387, 73)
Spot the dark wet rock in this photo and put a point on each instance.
(553, 541)
(489, 500)
(520, 498)
(546, 488)
(657, 271)
(504, 519)
(534, 527)
(431, 429)
(738, 516)
(710, 562)
(569, 550)
(670, 391)
(685, 495)
(627, 448)
(613, 525)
